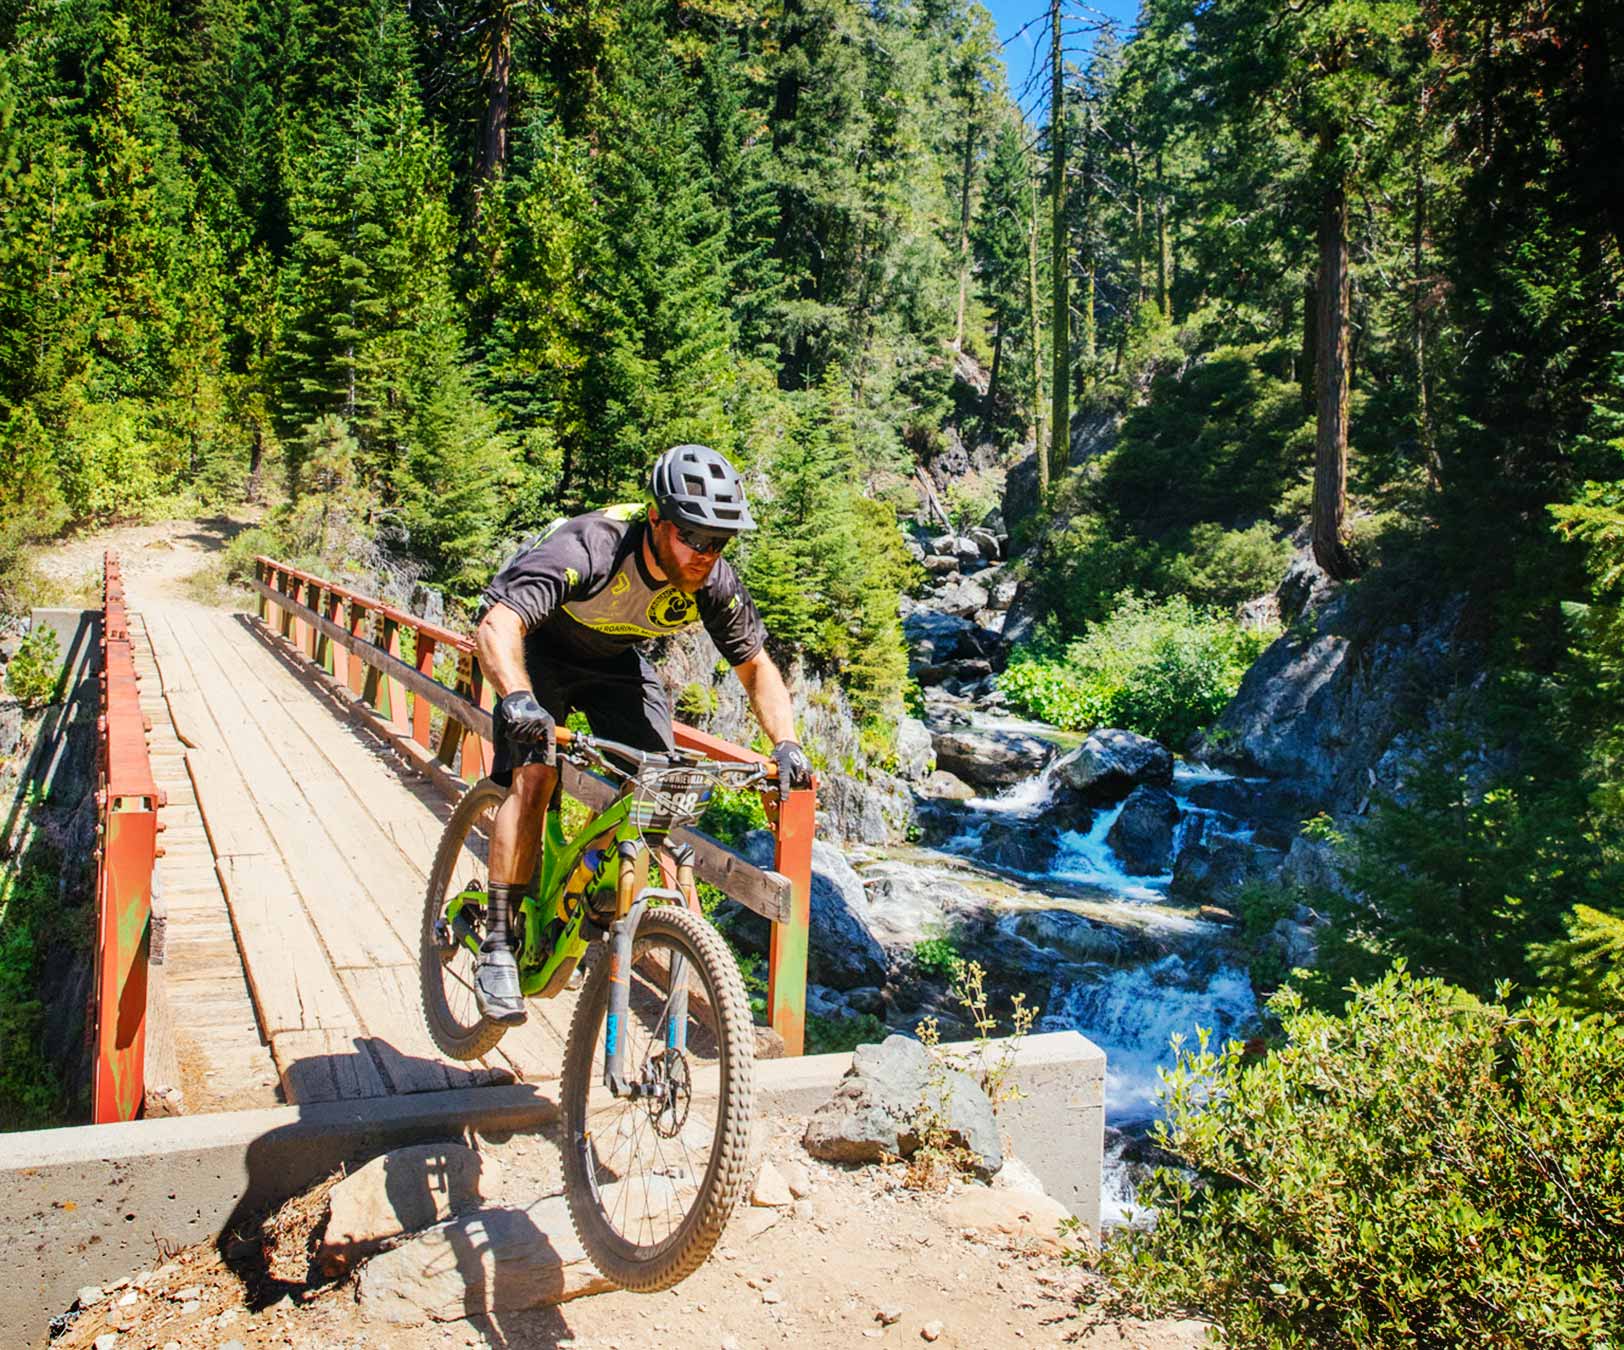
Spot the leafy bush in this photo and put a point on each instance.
(1422, 1169)
(36, 669)
(938, 956)
(1224, 567)
(732, 813)
(1161, 668)
(696, 701)
(1464, 878)
(842, 1035)
(30, 1084)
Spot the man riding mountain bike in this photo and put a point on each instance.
(562, 628)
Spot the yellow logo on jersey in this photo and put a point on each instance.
(620, 585)
(572, 578)
(671, 608)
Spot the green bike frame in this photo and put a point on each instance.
(544, 972)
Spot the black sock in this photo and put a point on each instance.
(499, 904)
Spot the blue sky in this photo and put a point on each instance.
(1019, 51)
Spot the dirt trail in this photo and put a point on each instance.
(826, 1274)
(156, 560)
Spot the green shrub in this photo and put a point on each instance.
(1423, 1169)
(938, 955)
(1049, 690)
(1161, 668)
(36, 670)
(1465, 879)
(696, 701)
(30, 1084)
(732, 813)
(842, 1035)
(1224, 567)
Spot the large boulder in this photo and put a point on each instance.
(1333, 702)
(916, 754)
(872, 811)
(937, 566)
(991, 759)
(1214, 869)
(484, 1261)
(842, 951)
(1111, 763)
(935, 638)
(877, 1110)
(1075, 936)
(1142, 835)
(962, 597)
(986, 541)
(940, 785)
(1020, 845)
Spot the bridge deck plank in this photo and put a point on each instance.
(214, 1052)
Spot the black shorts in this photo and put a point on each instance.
(625, 703)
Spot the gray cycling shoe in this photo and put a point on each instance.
(496, 987)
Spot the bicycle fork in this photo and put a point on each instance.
(622, 940)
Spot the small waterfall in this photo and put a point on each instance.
(1086, 858)
(1028, 798)
(1134, 1014)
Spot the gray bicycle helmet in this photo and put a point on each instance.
(695, 486)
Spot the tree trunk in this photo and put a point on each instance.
(990, 402)
(1138, 225)
(1305, 350)
(256, 462)
(1089, 334)
(1331, 434)
(1037, 343)
(1060, 381)
(1162, 300)
(964, 227)
(1418, 312)
(498, 75)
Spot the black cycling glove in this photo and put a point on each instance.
(528, 723)
(794, 768)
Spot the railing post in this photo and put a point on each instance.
(263, 606)
(394, 693)
(483, 750)
(422, 709)
(284, 584)
(786, 967)
(313, 635)
(357, 627)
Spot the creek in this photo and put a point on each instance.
(1171, 973)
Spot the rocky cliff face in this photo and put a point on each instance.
(1340, 706)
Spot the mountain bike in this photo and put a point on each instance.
(658, 1076)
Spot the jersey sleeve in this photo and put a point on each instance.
(730, 616)
(572, 561)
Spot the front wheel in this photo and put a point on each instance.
(445, 965)
(652, 1176)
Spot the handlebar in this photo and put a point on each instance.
(565, 739)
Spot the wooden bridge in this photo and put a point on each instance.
(274, 787)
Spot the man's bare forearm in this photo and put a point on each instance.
(769, 697)
(500, 644)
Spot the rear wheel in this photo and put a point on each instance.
(445, 965)
(652, 1179)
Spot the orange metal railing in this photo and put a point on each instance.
(359, 641)
(128, 801)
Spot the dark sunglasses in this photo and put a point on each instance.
(701, 543)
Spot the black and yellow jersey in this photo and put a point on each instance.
(585, 594)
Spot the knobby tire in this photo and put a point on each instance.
(662, 1264)
(454, 1037)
